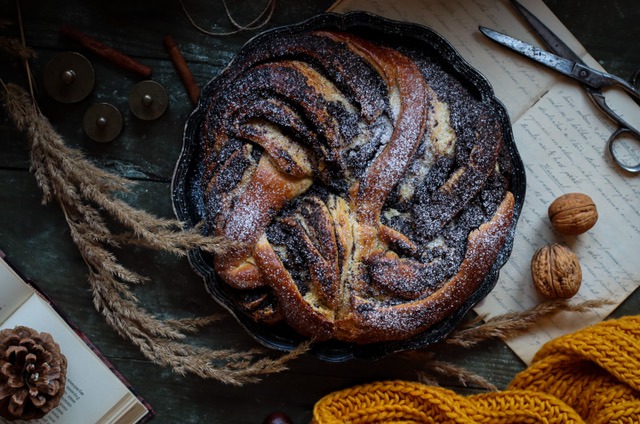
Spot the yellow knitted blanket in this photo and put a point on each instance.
(591, 376)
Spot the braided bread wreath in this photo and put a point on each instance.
(367, 177)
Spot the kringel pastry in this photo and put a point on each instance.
(364, 187)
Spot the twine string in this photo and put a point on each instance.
(261, 20)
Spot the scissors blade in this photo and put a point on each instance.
(572, 69)
(555, 44)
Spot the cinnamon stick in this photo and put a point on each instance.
(112, 55)
(193, 90)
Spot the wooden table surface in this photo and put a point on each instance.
(37, 240)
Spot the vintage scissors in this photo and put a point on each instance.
(567, 62)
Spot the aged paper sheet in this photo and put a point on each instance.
(561, 137)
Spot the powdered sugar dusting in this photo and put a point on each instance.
(374, 202)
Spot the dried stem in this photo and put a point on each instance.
(482, 328)
(192, 325)
(87, 196)
(512, 324)
(25, 60)
(432, 370)
(14, 47)
(463, 376)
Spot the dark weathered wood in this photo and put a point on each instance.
(606, 29)
(37, 239)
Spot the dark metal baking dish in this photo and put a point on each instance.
(187, 195)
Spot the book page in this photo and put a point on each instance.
(13, 291)
(561, 138)
(91, 389)
(128, 410)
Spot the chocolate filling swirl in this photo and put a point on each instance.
(363, 185)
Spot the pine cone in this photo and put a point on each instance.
(33, 373)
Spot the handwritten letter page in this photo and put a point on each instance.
(561, 138)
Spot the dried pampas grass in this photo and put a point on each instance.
(86, 195)
(13, 47)
(482, 329)
(513, 324)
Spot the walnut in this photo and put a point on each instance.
(556, 271)
(573, 213)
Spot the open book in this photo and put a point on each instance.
(94, 392)
(561, 137)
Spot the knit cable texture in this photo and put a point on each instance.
(591, 376)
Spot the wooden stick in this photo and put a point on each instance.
(23, 40)
(193, 90)
(112, 55)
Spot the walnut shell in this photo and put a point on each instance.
(573, 213)
(556, 271)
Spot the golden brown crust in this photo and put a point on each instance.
(388, 323)
(247, 218)
(367, 203)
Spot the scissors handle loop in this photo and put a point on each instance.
(616, 137)
(624, 129)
